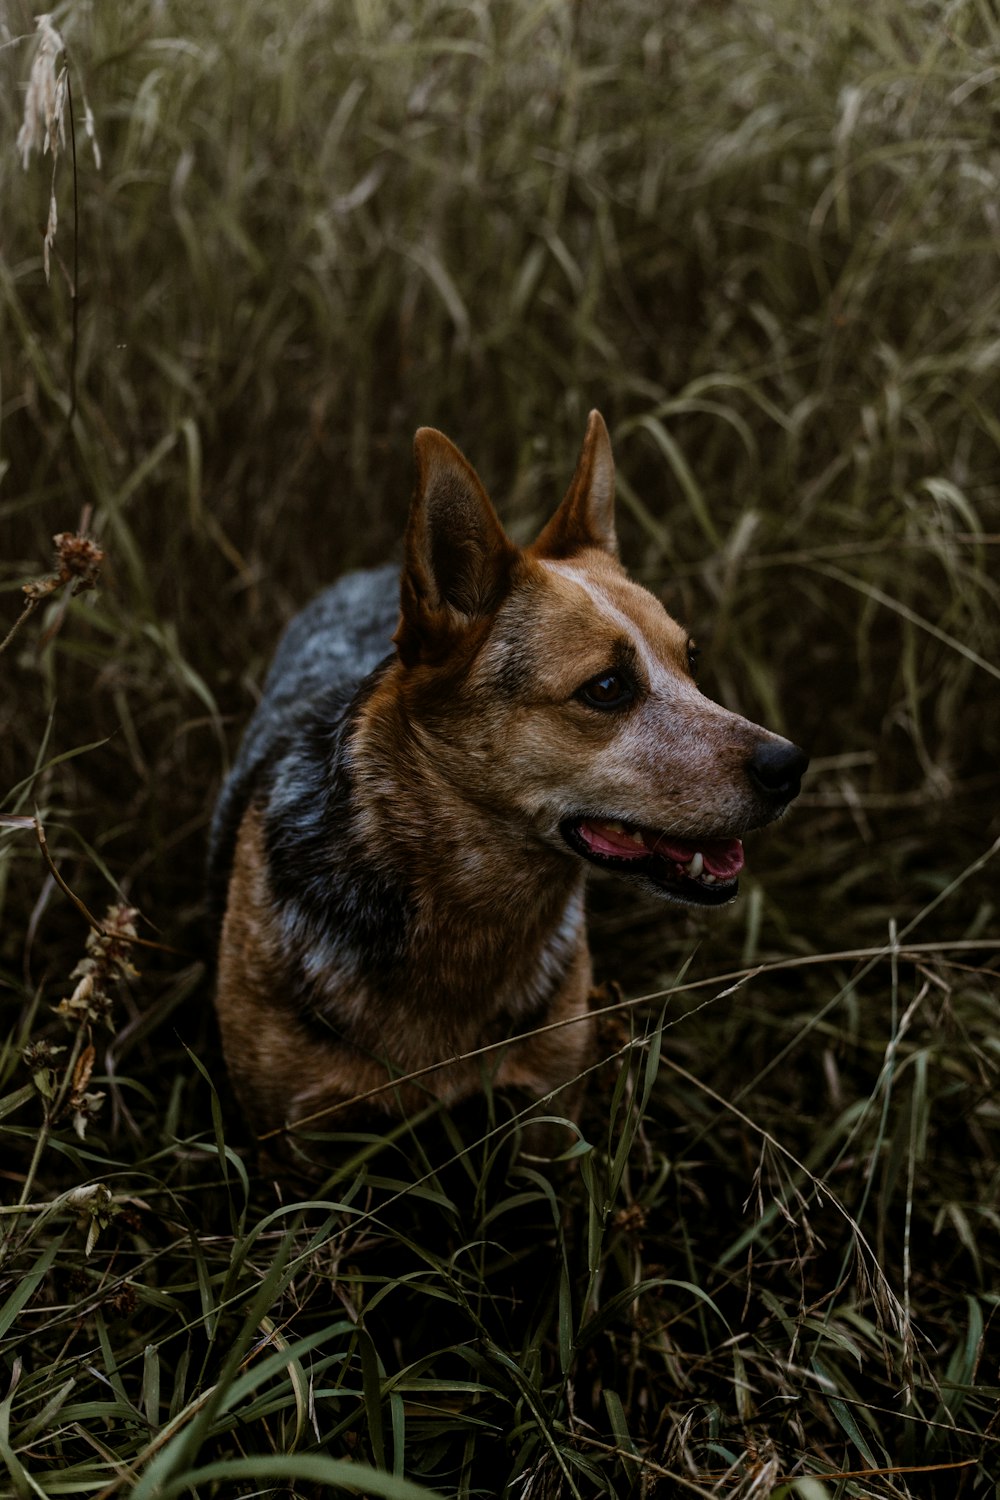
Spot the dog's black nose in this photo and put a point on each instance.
(777, 766)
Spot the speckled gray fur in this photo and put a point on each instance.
(324, 657)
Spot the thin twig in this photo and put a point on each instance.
(74, 288)
(733, 980)
(85, 911)
(28, 609)
(960, 1463)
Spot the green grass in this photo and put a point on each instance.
(763, 239)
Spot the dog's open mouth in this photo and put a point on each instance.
(700, 871)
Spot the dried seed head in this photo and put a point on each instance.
(96, 1205)
(81, 1074)
(86, 1110)
(125, 1300)
(89, 1002)
(43, 127)
(40, 1058)
(40, 1054)
(105, 961)
(40, 588)
(108, 950)
(78, 557)
(631, 1219)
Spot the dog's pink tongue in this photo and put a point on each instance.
(723, 857)
(611, 838)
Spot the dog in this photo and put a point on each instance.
(435, 764)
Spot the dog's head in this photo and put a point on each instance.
(558, 696)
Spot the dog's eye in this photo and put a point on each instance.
(610, 690)
(694, 652)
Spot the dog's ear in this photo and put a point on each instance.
(586, 517)
(458, 557)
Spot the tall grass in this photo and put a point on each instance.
(763, 239)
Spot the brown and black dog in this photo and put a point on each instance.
(407, 830)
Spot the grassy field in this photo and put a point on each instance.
(763, 239)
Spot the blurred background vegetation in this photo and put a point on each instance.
(763, 239)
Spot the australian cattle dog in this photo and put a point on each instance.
(438, 758)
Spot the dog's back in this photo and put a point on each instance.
(327, 651)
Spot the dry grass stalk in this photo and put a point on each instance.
(43, 127)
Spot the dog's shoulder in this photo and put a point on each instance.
(328, 651)
(335, 641)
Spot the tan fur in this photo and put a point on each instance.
(470, 751)
(282, 1075)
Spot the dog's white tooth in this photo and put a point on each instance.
(696, 865)
(708, 880)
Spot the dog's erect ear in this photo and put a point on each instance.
(586, 517)
(458, 556)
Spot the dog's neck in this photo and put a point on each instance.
(494, 915)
